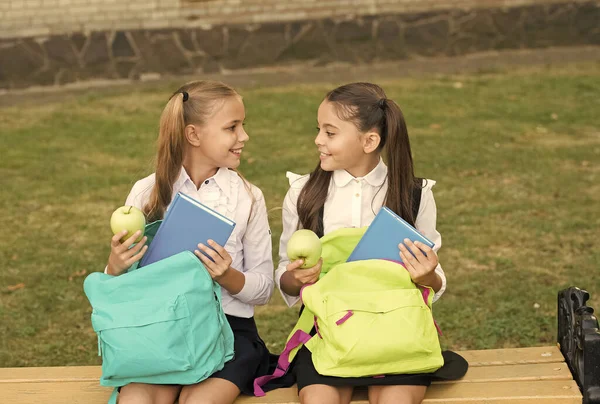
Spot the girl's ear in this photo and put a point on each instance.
(192, 134)
(371, 141)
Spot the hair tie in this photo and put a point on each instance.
(186, 96)
(382, 103)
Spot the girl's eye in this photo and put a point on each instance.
(330, 134)
(231, 128)
(318, 129)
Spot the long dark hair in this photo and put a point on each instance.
(368, 108)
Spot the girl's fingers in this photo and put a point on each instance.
(430, 255)
(129, 242)
(137, 248)
(115, 241)
(424, 247)
(137, 256)
(406, 256)
(205, 260)
(406, 262)
(210, 252)
(218, 248)
(294, 265)
(418, 254)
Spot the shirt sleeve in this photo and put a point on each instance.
(290, 225)
(138, 195)
(425, 223)
(258, 258)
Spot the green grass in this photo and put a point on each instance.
(515, 154)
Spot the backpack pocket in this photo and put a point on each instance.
(388, 331)
(149, 337)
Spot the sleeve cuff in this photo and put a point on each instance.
(289, 300)
(253, 292)
(442, 275)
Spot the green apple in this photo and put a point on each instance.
(304, 244)
(128, 218)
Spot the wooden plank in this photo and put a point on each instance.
(513, 356)
(534, 371)
(542, 392)
(536, 392)
(506, 373)
(487, 357)
(50, 374)
(54, 393)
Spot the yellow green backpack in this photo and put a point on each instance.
(370, 318)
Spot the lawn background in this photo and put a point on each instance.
(515, 155)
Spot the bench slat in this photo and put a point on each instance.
(487, 357)
(513, 356)
(542, 392)
(534, 371)
(524, 372)
(51, 374)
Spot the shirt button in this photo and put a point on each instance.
(357, 195)
(206, 182)
(357, 181)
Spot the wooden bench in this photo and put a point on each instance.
(542, 375)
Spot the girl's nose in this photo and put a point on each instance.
(243, 136)
(319, 139)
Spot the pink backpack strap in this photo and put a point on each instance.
(425, 293)
(283, 363)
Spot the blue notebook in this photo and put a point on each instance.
(186, 224)
(381, 239)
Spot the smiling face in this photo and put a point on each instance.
(341, 144)
(222, 137)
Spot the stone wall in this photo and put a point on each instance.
(53, 42)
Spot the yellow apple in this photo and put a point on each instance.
(306, 245)
(128, 218)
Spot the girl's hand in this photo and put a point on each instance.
(222, 259)
(304, 276)
(421, 267)
(121, 255)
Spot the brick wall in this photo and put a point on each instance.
(34, 18)
(57, 42)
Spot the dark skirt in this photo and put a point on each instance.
(251, 358)
(455, 367)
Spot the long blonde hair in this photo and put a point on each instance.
(193, 103)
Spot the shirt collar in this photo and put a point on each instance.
(374, 178)
(221, 178)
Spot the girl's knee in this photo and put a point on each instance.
(131, 394)
(397, 394)
(322, 394)
(147, 394)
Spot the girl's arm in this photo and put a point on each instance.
(258, 259)
(121, 256)
(426, 224)
(288, 286)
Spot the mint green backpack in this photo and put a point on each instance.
(161, 324)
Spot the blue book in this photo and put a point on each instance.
(186, 224)
(382, 237)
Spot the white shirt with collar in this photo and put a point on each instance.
(250, 243)
(353, 202)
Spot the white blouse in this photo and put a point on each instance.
(353, 202)
(249, 244)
